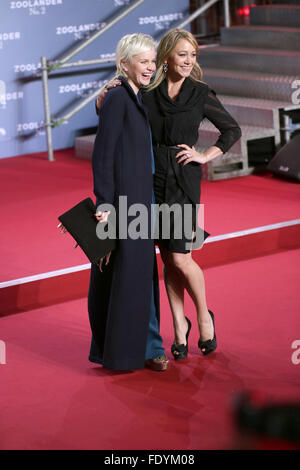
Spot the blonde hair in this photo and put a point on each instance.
(165, 47)
(129, 46)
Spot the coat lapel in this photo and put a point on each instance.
(137, 98)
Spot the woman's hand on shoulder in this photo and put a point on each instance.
(111, 84)
(189, 154)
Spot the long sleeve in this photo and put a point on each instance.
(215, 112)
(111, 118)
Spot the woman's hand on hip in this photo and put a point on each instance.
(189, 154)
(111, 84)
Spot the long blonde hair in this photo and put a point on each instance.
(164, 49)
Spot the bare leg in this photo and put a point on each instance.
(192, 279)
(174, 284)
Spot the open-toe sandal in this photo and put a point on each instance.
(180, 351)
(211, 344)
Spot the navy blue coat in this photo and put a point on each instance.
(119, 297)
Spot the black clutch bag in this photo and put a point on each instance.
(81, 223)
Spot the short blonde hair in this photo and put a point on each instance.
(131, 45)
(165, 47)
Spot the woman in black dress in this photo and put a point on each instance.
(177, 101)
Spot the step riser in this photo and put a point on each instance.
(270, 16)
(251, 116)
(84, 149)
(225, 159)
(286, 2)
(264, 39)
(214, 176)
(267, 89)
(208, 138)
(250, 62)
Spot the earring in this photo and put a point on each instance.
(165, 67)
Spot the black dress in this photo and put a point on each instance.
(176, 122)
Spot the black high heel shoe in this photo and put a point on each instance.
(180, 351)
(211, 344)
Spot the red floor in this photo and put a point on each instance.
(53, 398)
(34, 192)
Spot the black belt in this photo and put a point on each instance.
(167, 146)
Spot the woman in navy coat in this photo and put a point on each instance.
(123, 300)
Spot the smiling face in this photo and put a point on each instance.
(140, 68)
(181, 59)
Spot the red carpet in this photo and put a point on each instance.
(53, 398)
